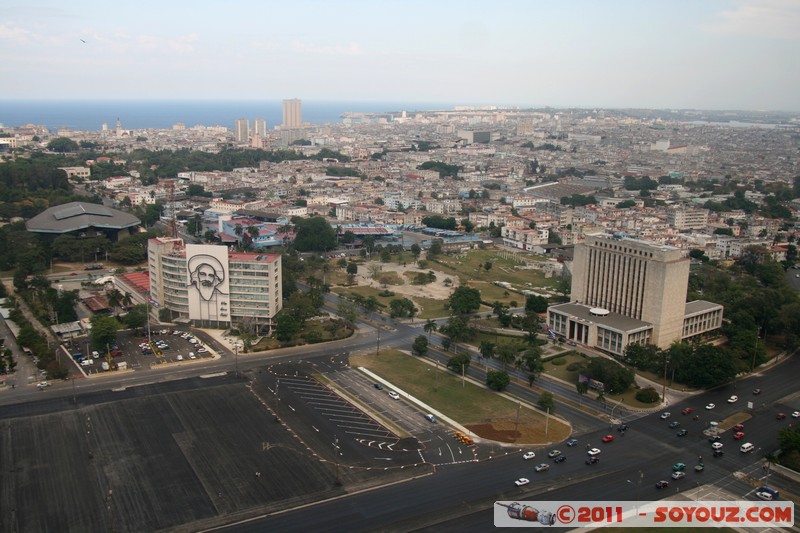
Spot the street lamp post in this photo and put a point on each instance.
(664, 388)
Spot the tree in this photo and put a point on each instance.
(487, 266)
(464, 300)
(420, 346)
(435, 248)
(401, 308)
(136, 317)
(546, 402)
(459, 363)
(625, 204)
(535, 304)
(487, 349)
(497, 380)
(582, 387)
(314, 235)
(415, 251)
(506, 354)
(104, 331)
(287, 326)
(429, 327)
(62, 144)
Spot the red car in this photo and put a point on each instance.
(738, 435)
(780, 416)
(738, 427)
(608, 438)
(686, 410)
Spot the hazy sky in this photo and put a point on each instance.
(711, 54)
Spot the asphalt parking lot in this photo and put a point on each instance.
(153, 458)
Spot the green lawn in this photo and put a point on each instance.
(431, 308)
(462, 401)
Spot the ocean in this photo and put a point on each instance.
(88, 115)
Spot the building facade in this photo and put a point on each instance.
(210, 286)
(628, 291)
(242, 130)
(292, 114)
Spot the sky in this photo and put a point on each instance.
(710, 54)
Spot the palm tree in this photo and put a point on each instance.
(429, 327)
(254, 233)
(114, 299)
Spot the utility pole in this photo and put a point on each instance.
(236, 358)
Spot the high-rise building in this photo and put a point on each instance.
(260, 127)
(242, 130)
(628, 291)
(292, 114)
(212, 286)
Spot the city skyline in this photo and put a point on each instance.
(725, 54)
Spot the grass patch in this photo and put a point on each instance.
(484, 412)
(499, 340)
(561, 371)
(431, 308)
(389, 278)
(470, 266)
(629, 398)
(363, 291)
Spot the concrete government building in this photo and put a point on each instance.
(210, 286)
(627, 291)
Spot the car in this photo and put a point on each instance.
(202, 350)
(87, 362)
(528, 455)
(678, 467)
(572, 343)
(678, 475)
(733, 399)
(572, 442)
(42, 384)
(192, 355)
(541, 467)
(716, 445)
(522, 481)
(430, 418)
(393, 395)
(95, 354)
(554, 453)
(686, 410)
(593, 452)
(105, 366)
(662, 484)
(738, 435)
(738, 427)
(796, 414)
(781, 416)
(714, 438)
(179, 358)
(560, 459)
(718, 453)
(378, 386)
(674, 424)
(608, 438)
(623, 427)
(710, 406)
(192, 340)
(683, 432)
(699, 467)
(664, 416)
(756, 392)
(592, 460)
(763, 495)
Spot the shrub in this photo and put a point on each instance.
(574, 366)
(559, 361)
(648, 395)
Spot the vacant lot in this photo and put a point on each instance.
(483, 411)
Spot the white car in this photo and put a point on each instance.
(554, 453)
(528, 455)
(43, 384)
(541, 467)
(192, 355)
(796, 414)
(179, 358)
(96, 354)
(203, 350)
(678, 475)
(710, 406)
(593, 452)
(393, 395)
(664, 416)
(522, 481)
(761, 495)
(733, 399)
(716, 445)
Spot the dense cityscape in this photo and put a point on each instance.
(604, 268)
